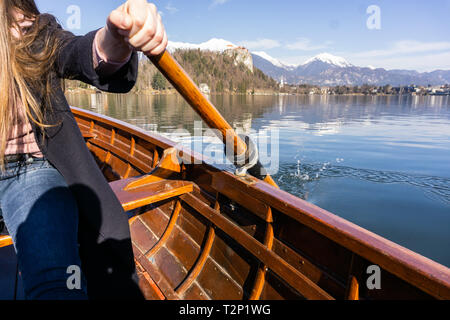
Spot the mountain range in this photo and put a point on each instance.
(324, 69)
(328, 70)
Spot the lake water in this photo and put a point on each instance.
(380, 162)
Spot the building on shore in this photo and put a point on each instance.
(204, 88)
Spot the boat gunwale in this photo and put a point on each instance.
(424, 273)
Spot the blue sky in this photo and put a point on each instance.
(413, 34)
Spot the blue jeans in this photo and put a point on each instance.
(41, 215)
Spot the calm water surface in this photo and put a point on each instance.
(380, 162)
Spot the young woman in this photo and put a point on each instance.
(54, 200)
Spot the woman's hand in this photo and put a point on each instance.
(135, 25)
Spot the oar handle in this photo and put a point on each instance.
(181, 81)
(170, 68)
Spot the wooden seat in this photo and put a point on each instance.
(5, 241)
(159, 185)
(149, 193)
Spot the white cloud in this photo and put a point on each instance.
(294, 60)
(260, 44)
(171, 8)
(406, 54)
(218, 3)
(304, 44)
(422, 63)
(406, 47)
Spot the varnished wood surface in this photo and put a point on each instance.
(189, 90)
(150, 193)
(197, 100)
(292, 276)
(166, 168)
(201, 233)
(206, 234)
(420, 271)
(5, 241)
(240, 238)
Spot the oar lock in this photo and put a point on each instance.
(246, 160)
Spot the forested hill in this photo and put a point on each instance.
(223, 72)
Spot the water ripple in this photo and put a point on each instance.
(294, 177)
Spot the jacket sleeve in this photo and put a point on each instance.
(75, 61)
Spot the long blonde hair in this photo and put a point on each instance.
(25, 67)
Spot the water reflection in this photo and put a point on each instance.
(171, 111)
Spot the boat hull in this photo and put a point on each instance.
(239, 238)
(200, 233)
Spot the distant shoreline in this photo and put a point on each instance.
(174, 92)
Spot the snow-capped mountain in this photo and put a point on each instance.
(330, 60)
(274, 61)
(328, 70)
(324, 69)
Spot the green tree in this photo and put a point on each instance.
(242, 87)
(159, 82)
(387, 89)
(219, 87)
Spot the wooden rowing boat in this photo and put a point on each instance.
(202, 233)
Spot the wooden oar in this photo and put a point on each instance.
(192, 94)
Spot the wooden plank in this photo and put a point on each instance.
(169, 267)
(121, 154)
(5, 241)
(317, 274)
(292, 276)
(277, 289)
(227, 186)
(185, 250)
(89, 135)
(195, 292)
(167, 232)
(411, 267)
(168, 167)
(154, 139)
(156, 220)
(157, 278)
(148, 286)
(149, 194)
(353, 290)
(151, 138)
(218, 284)
(199, 265)
(142, 237)
(262, 270)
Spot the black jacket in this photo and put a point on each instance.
(104, 236)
